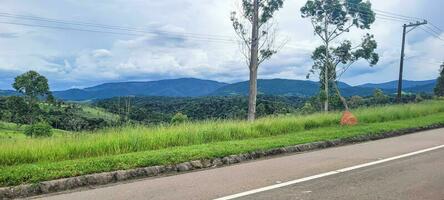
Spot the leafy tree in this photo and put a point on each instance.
(179, 118)
(38, 130)
(254, 26)
(379, 97)
(439, 89)
(418, 98)
(356, 101)
(32, 85)
(51, 99)
(19, 110)
(331, 19)
(308, 108)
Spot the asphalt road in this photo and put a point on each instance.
(413, 178)
(416, 177)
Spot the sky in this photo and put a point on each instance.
(190, 38)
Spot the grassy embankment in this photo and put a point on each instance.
(24, 160)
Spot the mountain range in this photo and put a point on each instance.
(191, 87)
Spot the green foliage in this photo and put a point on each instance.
(157, 110)
(69, 167)
(38, 130)
(242, 24)
(18, 110)
(356, 102)
(439, 89)
(71, 117)
(51, 99)
(308, 108)
(31, 84)
(379, 97)
(419, 98)
(331, 19)
(179, 118)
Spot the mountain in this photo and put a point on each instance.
(184, 87)
(190, 87)
(302, 88)
(394, 84)
(272, 87)
(427, 88)
(283, 87)
(7, 93)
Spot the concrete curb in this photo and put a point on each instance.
(59, 185)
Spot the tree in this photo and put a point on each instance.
(19, 112)
(179, 118)
(255, 17)
(379, 97)
(439, 89)
(331, 19)
(308, 108)
(356, 101)
(32, 85)
(38, 130)
(51, 99)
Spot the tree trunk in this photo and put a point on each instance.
(343, 100)
(326, 85)
(326, 68)
(254, 62)
(253, 96)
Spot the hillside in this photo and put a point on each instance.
(152, 110)
(282, 87)
(394, 84)
(185, 87)
(190, 87)
(7, 93)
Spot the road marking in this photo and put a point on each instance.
(280, 185)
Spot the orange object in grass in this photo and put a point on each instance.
(348, 119)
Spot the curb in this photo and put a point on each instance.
(65, 184)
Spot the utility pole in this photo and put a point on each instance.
(401, 66)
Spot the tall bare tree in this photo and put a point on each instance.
(255, 27)
(330, 20)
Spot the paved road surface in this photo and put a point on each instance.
(420, 175)
(415, 178)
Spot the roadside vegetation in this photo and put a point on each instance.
(25, 160)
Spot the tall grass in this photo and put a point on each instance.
(129, 139)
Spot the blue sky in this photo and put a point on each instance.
(79, 59)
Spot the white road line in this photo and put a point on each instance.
(280, 185)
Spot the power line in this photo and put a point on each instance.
(107, 32)
(436, 27)
(431, 33)
(384, 15)
(399, 15)
(112, 27)
(115, 30)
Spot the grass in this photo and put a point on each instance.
(94, 112)
(32, 160)
(10, 133)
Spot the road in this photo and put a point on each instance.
(418, 176)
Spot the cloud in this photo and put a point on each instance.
(177, 39)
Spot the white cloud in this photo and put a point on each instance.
(71, 58)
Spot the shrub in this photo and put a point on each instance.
(308, 108)
(379, 97)
(179, 118)
(419, 98)
(356, 102)
(38, 130)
